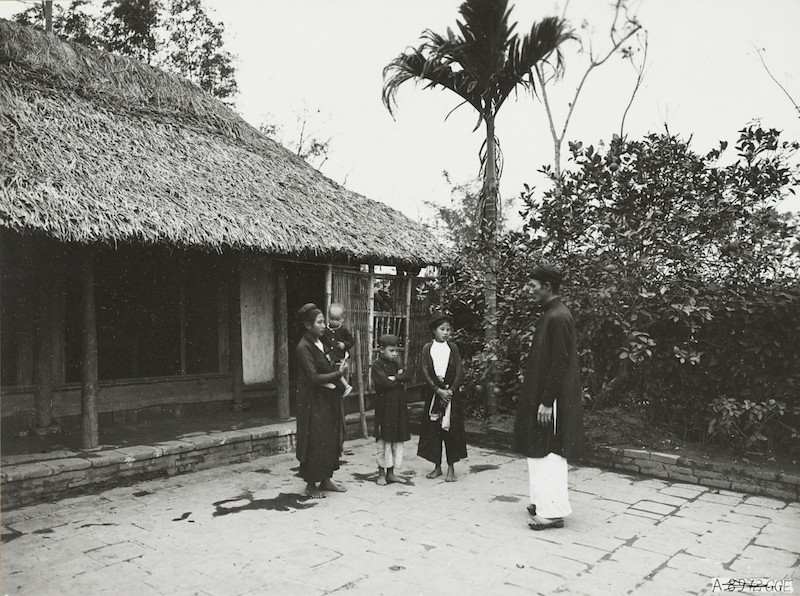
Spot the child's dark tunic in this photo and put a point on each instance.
(391, 411)
(431, 434)
(320, 424)
(333, 336)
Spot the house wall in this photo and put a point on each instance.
(257, 301)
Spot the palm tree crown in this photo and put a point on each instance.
(484, 61)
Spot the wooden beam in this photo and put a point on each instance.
(44, 351)
(237, 382)
(89, 384)
(370, 323)
(223, 326)
(182, 292)
(281, 341)
(407, 341)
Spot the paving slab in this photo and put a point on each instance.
(248, 529)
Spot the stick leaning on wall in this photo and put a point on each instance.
(360, 374)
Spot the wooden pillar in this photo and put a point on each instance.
(281, 342)
(407, 340)
(237, 382)
(25, 340)
(328, 289)
(182, 298)
(44, 352)
(223, 327)
(89, 383)
(370, 323)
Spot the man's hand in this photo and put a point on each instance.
(343, 366)
(392, 378)
(340, 345)
(544, 415)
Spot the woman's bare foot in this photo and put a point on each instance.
(330, 486)
(437, 471)
(381, 477)
(313, 492)
(451, 474)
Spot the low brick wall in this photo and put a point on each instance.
(26, 483)
(682, 468)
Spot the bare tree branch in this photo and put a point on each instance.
(640, 71)
(764, 64)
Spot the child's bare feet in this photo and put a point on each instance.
(313, 492)
(381, 477)
(390, 477)
(437, 471)
(451, 474)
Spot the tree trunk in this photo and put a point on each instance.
(89, 383)
(489, 225)
(48, 16)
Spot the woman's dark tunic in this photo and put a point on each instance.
(391, 410)
(552, 375)
(431, 434)
(320, 425)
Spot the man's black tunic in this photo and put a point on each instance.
(552, 375)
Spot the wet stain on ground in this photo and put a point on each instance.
(482, 468)
(371, 477)
(402, 493)
(263, 471)
(296, 471)
(428, 547)
(396, 568)
(110, 524)
(10, 535)
(246, 502)
(342, 462)
(347, 452)
(506, 499)
(183, 517)
(44, 531)
(142, 493)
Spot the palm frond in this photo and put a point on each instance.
(414, 64)
(543, 43)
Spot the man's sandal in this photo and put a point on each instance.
(535, 524)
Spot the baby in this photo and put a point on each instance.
(338, 341)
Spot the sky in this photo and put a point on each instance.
(325, 59)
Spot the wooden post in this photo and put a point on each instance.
(359, 374)
(237, 382)
(89, 384)
(407, 341)
(44, 352)
(281, 342)
(328, 289)
(25, 340)
(223, 327)
(182, 297)
(370, 322)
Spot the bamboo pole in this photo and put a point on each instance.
(89, 384)
(282, 342)
(370, 322)
(328, 289)
(407, 342)
(235, 354)
(45, 349)
(359, 373)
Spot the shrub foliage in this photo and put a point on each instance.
(682, 277)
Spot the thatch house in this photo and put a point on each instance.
(155, 245)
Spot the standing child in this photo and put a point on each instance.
(339, 341)
(391, 411)
(443, 421)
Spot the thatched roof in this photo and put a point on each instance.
(101, 148)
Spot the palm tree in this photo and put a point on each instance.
(483, 62)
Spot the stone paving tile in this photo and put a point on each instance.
(247, 529)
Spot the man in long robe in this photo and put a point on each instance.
(549, 424)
